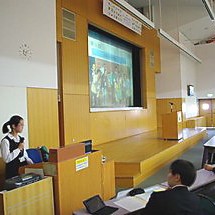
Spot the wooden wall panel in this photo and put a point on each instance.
(137, 120)
(59, 20)
(2, 210)
(76, 118)
(203, 111)
(104, 126)
(132, 122)
(150, 83)
(157, 59)
(75, 61)
(2, 173)
(213, 105)
(43, 117)
(77, 6)
(107, 126)
(152, 117)
(210, 113)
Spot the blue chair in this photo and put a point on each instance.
(35, 155)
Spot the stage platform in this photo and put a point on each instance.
(138, 157)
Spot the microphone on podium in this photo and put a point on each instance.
(171, 105)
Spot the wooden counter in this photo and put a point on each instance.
(196, 122)
(33, 199)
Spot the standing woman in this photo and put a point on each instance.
(12, 147)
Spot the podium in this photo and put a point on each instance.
(172, 125)
(76, 178)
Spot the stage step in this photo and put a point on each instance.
(131, 174)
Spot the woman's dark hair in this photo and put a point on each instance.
(14, 120)
(185, 169)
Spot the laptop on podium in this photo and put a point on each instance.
(96, 206)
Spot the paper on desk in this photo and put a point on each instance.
(144, 196)
(155, 188)
(131, 203)
(123, 193)
(35, 170)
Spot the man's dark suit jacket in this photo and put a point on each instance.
(177, 201)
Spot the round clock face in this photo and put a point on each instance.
(25, 51)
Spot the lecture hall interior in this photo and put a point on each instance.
(114, 89)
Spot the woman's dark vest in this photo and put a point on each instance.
(12, 167)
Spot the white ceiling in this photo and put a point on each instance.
(190, 17)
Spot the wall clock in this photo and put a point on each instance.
(25, 51)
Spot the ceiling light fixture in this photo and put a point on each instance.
(209, 9)
(147, 22)
(210, 95)
(179, 45)
(205, 106)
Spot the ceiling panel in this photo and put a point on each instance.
(187, 16)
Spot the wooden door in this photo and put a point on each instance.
(207, 109)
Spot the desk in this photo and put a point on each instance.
(209, 147)
(203, 178)
(210, 143)
(120, 210)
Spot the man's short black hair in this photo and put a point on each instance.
(185, 169)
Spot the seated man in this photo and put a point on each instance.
(177, 200)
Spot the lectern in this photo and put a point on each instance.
(172, 125)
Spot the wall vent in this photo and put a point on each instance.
(69, 25)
